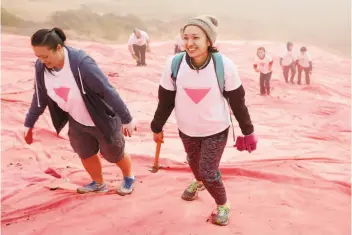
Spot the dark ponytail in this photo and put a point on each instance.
(212, 49)
(49, 38)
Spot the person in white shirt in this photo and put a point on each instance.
(288, 62)
(263, 64)
(179, 42)
(76, 91)
(201, 110)
(304, 63)
(138, 45)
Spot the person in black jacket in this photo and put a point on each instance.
(77, 92)
(201, 111)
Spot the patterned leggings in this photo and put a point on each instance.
(203, 156)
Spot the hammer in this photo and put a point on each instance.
(156, 166)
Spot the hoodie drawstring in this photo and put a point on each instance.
(80, 78)
(36, 90)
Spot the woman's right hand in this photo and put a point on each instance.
(158, 137)
(28, 135)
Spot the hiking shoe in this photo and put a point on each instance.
(221, 217)
(93, 187)
(127, 186)
(191, 192)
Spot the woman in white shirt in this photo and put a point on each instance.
(201, 110)
(76, 91)
(263, 65)
(138, 45)
(304, 63)
(288, 62)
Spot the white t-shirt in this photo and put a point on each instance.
(263, 64)
(200, 108)
(63, 89)
(304, 59)
(138, 41)
(288, 57)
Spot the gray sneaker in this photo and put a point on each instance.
(222, 216)
(191, 192)
(127, 186)
(93, 187)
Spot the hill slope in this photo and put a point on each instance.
(297, 182)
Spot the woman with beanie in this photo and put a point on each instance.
(76, 91)
(263, 64)
(201, 110)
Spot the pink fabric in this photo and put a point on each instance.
(297, 181)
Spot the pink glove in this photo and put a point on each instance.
(240, 144)
(250, 142)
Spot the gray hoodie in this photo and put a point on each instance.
(103, 103)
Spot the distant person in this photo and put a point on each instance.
(263, 64)
(304, 63)
(288, 62)
(201, 110)
(76, 91)
(179, 47)
(138, 45)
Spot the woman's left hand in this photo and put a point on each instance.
(250, 142)
(127, 129)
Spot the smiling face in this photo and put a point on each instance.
(51, 58)
(195, 41)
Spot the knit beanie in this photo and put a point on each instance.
(208, 23)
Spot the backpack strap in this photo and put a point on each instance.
(219, 69)
(220, 74)
(175, 66)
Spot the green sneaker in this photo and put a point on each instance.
(191, 192)
(221, 217)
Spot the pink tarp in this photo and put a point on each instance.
(297, 182)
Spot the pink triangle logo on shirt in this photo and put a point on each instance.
(197, 94)
(62, 92)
